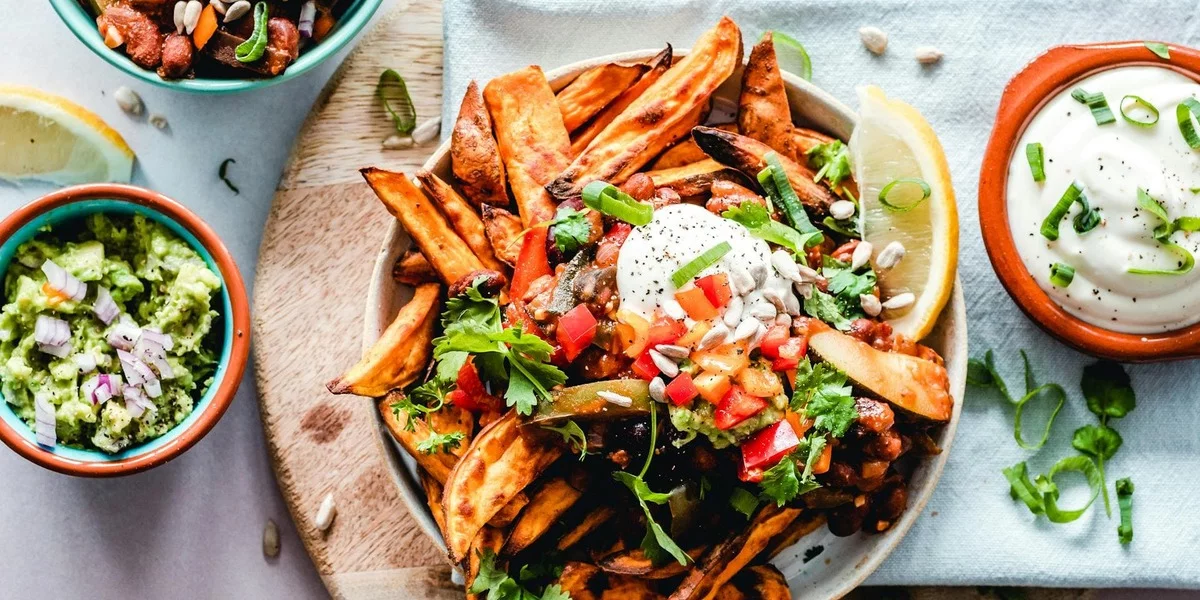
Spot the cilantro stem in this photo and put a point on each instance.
(1104, 485)
(653, 440)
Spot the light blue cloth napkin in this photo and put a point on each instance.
(972, 533)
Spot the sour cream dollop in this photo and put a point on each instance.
(676, 235)
(1110, 162)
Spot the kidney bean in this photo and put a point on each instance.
(874, 415)
(847, 519)
(885, 445)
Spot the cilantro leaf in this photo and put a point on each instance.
(1108, 390)
(983, 373)
(822, 395)
(498, 585)
(783, 483)
(656, 543)
(571, 229)
(743, 502)
(490, 577)
(755, 218)
(440, 442)
(1100, 443)
(1125, 500)
(832, 161)
(573, 436)
(826, 308)
(846, 286)
(555, 592)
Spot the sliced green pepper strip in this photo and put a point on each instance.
(581, 403)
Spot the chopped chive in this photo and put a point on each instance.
(926, 191)
(1159, 49)
(1125, 502)
(1061, 275)
(700, 263)
(393, 95)
(1050, 225)
(1139, 101)
(1184, 114)
(605, 198)
(1088, 217)
(1096, 103)
(1036, 157)
(786, 194)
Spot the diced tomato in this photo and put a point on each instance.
(749, 475)
(776, 336)
(770, 444)
(644, 367)
(664, 330)
(532, 262)
(716, 289)
(682, 390)
(790, 354)
(576, 329)
(735, 407)
(712, 387)
(695, 303)
(471, 393)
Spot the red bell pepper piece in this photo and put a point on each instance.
(749, 475)
(768, 446)
(532, 262)
(664, 330)
(644, 367)
(682, 390)
(776, 336)
(790, 354)
(576, 329)
(716, 289)
(736, 406)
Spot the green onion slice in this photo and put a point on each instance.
(1045, 483)
(606, 198)
(1147, 202)
(1051, 391)
(1125, 501)
(1036, 157)
(926, 191)
(1163, 232)
(1061, 275)
(1139, 101)
(1185, 114)
(1022, 488)
(786, 195)
(743, 501)
(1186, 263)
(1159, 49)
(792, 56)
(393, 95)
(256, 45)
(700, 263)
(1096, 103)
(1050, 225)
(1088, 218)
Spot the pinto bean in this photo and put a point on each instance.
(143, 40)
(874, 415)
(284, 39)
(728, 194)
(665, 197)
(885, 445)
(492, 282)
(889, 503)
(640, 186)
(176, 56)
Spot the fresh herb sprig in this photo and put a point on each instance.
(440, 442)
(832, 161)
(499, 585)
(571, 229)
(757, 219)
(573, 436)
(656, 544)
(1109, 394)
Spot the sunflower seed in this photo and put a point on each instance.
(783, 320)
(673, 309)
(763, 311)
(397, 142)
(804, 289)
(791, 304)
(427, 132)
(615, 398)
(664, 364)
(807, 274)
(236, 11)
(785, 265)
(745, 329)
(218, 6)
(742, 280)
(757, 338)
(270, 539)
(191, 15)
(129, 101)
(874, 39)
(179, 14)
(841, 210)
(759, 271)
(715, 337)
(928, 55)
(775, 297)
(158, 121)
(900, 301)
(733, 312)
(862, 255)
(673, 352)
(870, 304)
(890, 256)
(658, 390)
(326, 513)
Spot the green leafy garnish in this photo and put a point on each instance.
(847, 286)
(1108, 390)
(440, 442)
(223, 173)
(782, 483)
(1162, 234)
(774, 181)
(393, 94)
(1041, 495)
(656, 544)
(755, 218)
(573, 436)
(983, 373)
(256, 45)
(832, 161)
(822, 394)
(1125, 502)
(743, 502)
(607, 199)
(847, 228)
(496, 583)
(826, 308)
(1159, 49)
(571, 229)
(693, 267)
(1100, 443)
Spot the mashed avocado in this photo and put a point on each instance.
(158, 283)
(698, 420)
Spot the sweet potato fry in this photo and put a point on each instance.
(509, 511)
(588, 524)
(449, 254)
(763, 112)
(587, 582)
(729, 557)
(589, 93)
(807, 139)
(685, 152)
(799, 528)
(412, 268)
(437, 465)
(746, 155)
(649, 124)
(694, 180)
(463, 218)
(763, 582)
(534, 144)
(496, 467)
(634, 562)
(657, 66)
(433, 495)
(503, 231)
(489, 538)
(474, 155)
(452, 419)
(549, 503)
(401, 353)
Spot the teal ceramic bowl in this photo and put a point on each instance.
(83, 25)
(75, 203)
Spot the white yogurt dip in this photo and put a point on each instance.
(1110, 162)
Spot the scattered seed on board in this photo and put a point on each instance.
(890, 256)
(673, 352)
(237, 10)
(397, 142)
(900, 301)
(326, 513)
(179, 15)
(841, 210)
(271, 539)
(715, 337)
(427, 132)
(159, 121)
(861, 256)
(615, 398)
(870, 304)
(928, 55)
(658, 390)
(874, 39)
(664, 364)
(733, 311)
(129, 101)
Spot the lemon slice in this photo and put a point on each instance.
(49, 138)
(892, 141)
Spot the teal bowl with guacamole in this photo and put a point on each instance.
(124, 330)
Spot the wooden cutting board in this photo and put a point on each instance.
(315, 263)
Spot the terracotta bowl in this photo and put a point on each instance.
(845, 562)
(1057, 69)
(77, 202)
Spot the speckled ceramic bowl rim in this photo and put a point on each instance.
(864, 552)
(235, 346)
(1042, 79)
(83, 25)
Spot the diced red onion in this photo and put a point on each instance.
(105, 307)
(88, 389)
(308, 14)
(45, 422)
(153, 388)
(162, 339)
(124, 335)
(100, 388)
(136, 371)
(136, 401)
(63, 282)
(112, 382)
(149, 351)
(51, 331)
(56, 351)
(86, 361)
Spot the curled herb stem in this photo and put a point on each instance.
(393, 95)
(223, 173)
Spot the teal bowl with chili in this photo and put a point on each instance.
(83, 25)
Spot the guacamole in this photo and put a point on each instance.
(698, 420)
(151, 350)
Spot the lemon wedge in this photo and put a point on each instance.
(892, 142)
(49, 138)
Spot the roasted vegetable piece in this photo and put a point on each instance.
(554, 498)
(806, 524)
(730, 556)
(915, 386)
(746, 155)
(438, 464)
(686, 152)
(499, 464)
(510, 511)
(489, 538)
(657, 66)
(763, 112)
(587, 582)
(503, 231)
(433, 495)
(534, 144)
(449, 254)
(807, 139)
(763, 582)
(593, 90)
(399, 357)
(581, 402)
(649, 124)
(634, 562)
(695, 180)
(465, 220)
(588, 524)
(412, 268)
(474, 154)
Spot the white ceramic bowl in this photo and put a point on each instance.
(845, 562)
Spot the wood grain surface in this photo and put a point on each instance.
(315, 262)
